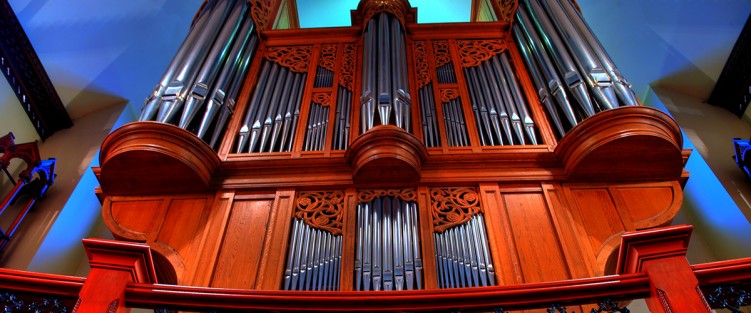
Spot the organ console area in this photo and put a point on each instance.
(390, 156)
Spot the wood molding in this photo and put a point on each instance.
(624, 144)
(145, 158)
(386, 154)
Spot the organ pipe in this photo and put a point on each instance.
(385, 92)
(555, 42)
(387, 255)
(199, 89)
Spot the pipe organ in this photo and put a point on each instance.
(299, 159)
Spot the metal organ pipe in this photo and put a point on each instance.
(562, 59)
(385, 83)
(463, 257)
(176, 92)
(621, 85)
(589, 66)
(151, 104)
(313, 259)
(554, 40)
(199, 89)
(211, 66)
(387, 255)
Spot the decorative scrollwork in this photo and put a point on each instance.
(260, 12)
(609, 306)
(507, 10)
(346, 79)
(395, 7)
(729, 297)
(453, 206)
(322, 98)
(12, 303)
(556, 308)
(321, 209)
(448, 94)
(421, 63)
(295, 58)
(328, 57)
(474, 52)
(441, 52)
(367, 195)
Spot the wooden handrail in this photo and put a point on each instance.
(40, 283)
(526, 296)
(510, 297)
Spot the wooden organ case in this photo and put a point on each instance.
(389, 155)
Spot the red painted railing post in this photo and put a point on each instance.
(113, 265)
(661, 254)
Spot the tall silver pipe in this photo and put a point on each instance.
(287, 130)
(387, 246)
(384, 71)
(542, 91)
(621, 85)
(521, 106)
(312, 261)
(377, 243)
(278, 116)
(296, 115)
(176, 91)
(253, 105)
(561, 57)
(462, 256)
(367, 99)
(224, 95)
(385, 84)
(589, 66)
(204, 80)
(152, 103)
(547, 68)
(291, 255)
(471, 83)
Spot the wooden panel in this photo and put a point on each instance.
(502, 246)
(240, 254)
(275, 248)
(216, 224)
(539, 251)
(579, 257)
(180, 229)
(598, 214)
(133, 219)
(646, 204)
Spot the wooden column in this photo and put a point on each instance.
(113, 265)
(661, 254)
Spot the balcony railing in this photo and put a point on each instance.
(122, 278)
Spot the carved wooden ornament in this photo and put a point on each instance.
(328, 57)
(448, 94)
(367, 195)
(507, 10)
(395, 7)
(296, 58)
(260, 12)
(453, 206)
(421, 63)
(441, 52)
(348, 66)
(322, 98)
(321, 209)
(474, 52)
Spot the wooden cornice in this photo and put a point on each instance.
(621, 145)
